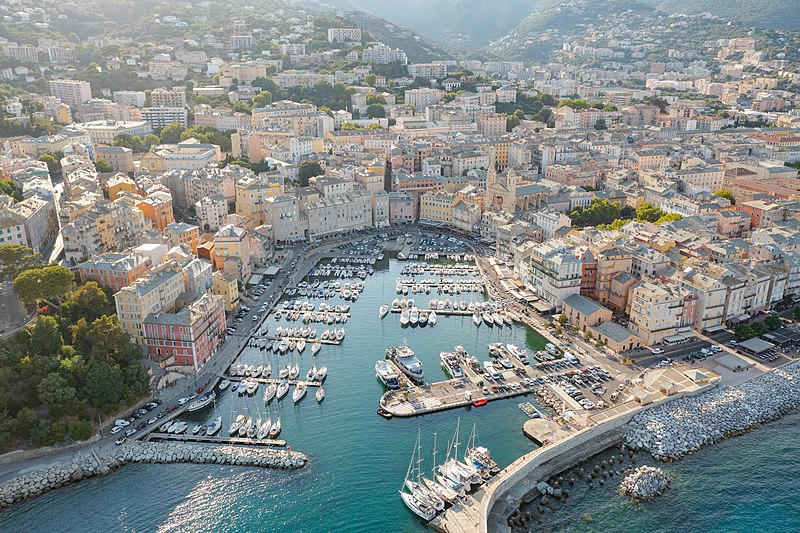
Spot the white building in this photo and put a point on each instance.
(380, 54)
(422, 98)
(341, 35)
(159, 117)
(71, 92)
(134, 98)
(428, 71)
(211, 212)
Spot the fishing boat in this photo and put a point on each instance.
(387, 375)
(451, 364)
(320, 394)
(432, 318)
(283, 388)
(215, 426)
(224, 384)
(275, 430)
(404, 317)
(406, 361)
(383, 311)
(202, 401)
(236, 424)
(269, 393)
(413, 316)
(298, 392)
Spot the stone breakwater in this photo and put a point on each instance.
(644, 483)
(683, 426)
(37, 483)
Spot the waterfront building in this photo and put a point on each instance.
(114, 270)
(584, 313)
(156, 292)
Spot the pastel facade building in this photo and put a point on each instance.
(114, 270)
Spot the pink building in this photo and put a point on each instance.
(189, 336)
(402, 208)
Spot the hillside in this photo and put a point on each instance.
(466, 23)
(542, 31)
(417, 48)
(760, 13)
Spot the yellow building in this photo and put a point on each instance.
(182, 233)
(437, 206)
(155, 293)
(226, 286)
(119, 183)
(251, 195)
(158, 208)
(232, 251)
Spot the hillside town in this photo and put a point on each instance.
(634, 193)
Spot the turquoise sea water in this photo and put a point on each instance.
(358, 459)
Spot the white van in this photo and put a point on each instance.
(568, 357)
(491, 370)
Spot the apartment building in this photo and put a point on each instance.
(232, 252)
(251, 195)
(339, 213)
(37, 215)
(655, 312)
(343, 35)
(211, 211)
(430, 71)
(181, 233)
(227, 287)
(380, 54)
(157, 292)
(436, 207)
(175, 97)
(119, 157)
(157, 207)
(133, 98)
(422, 98)
(71, 92)
(584, 313)
(114, 270)
(553, 273)
(160, 117)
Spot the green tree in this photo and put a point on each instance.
(104, 339)
(262, 99)
(309, 169)
(772, 322)
(599, 212)
(574, 103)
(16, 258)
(668, 217)
(600, 124)
(369, 79)
(25, 421)
(512, 121)
(373, 98)
(55, 393)
(104, 386)
(376, 111)
(101, 165)
(171, 133)
(46, 338)
(150, 140)
(728, 195)
(647, 212)
(660, 103)
(48, 284)
(53, 162)
(89, 301)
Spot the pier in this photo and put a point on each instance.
(439, 312)
(211, 439)
(295, 339)
(275, 381)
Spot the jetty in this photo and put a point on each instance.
(215, 439)
(275, 381)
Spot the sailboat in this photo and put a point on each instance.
(275, 430)
(415, 504)
(404, 317)
(413, 318)
(315, 347)
(478, 456)
(322, 373)
(236, 424)
(214, 427)
(320, 394)
(312, 374)
(476, 318)
(383, 311)
(420, 491)
(294, 371)
(283, 388)
(301, 345)
(446, 493)
(299, 391)
(269, 393)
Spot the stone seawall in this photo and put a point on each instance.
(674, 429)
(37, 483)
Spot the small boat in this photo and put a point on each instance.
(322, 373)
(340, 334)
(298, 392)
(263, 429)
(480, 403)
(476, 318)
(498, 319)
(196, 429)
(267, 372)
(270, 392)
(423, 318)
(487, 318)
(311, 374)
(387, 375)
(413, 317)
(432, 318)
(294, 372)
(215, 426)
(315, 347)
(284, 372)
(283, 388)
(236, 424)
(224, 384)
(164, 428)
(404, 317)
(301, 345)
(202, 401)
(275, 430)
(252, 387)
(383, 311)
(320, 394)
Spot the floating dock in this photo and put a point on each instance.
(274, 381)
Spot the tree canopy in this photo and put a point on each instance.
(600, 212)
(728, 195)
(309, 169)
(101, 165)
(264, 98)
(15, 258)
(48, 284)
(376, 111)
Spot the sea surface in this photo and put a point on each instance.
(359, 460)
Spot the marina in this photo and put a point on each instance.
(157, 436)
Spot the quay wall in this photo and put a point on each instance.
(44, 480)
(549, 460)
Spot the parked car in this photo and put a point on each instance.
(656, 351)
(116, 429)
(121, 440)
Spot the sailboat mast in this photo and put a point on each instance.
(458, 426)
(419, 456)
(410, 466)
(433, 469)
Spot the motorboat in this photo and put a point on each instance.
(451, 364)
(340, 334)
(383, 311)
(387, 375)
(215, 426)
(224, 384)
(413, 316)
(404, 317)
(252, 387)
(270, 392)
(320, 394)
(487, 318)
(498, 319)
(298, 392)
(236, 424)
(476, 318)
(423, 318)
(178, 428)
(406, 361)
(196, 429)
(283, 388)
(202, 401)
(520, 353)
(432, 318)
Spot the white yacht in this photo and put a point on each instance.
(387, 375)
(269, 393)
(406, 361)
(215, 426)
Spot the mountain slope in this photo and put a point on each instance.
(769, 14)
(468, 23)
